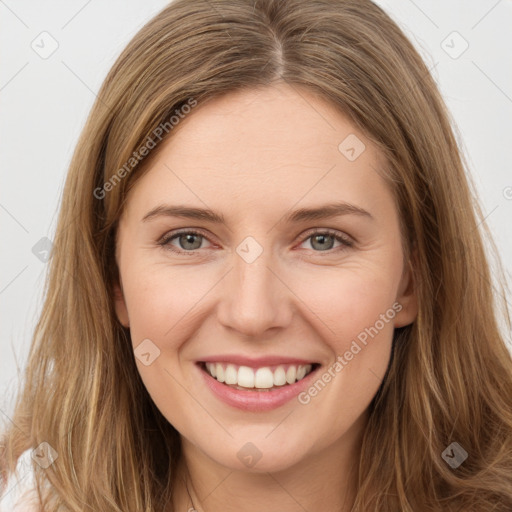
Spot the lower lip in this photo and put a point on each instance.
(256, 401)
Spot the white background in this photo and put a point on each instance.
(44, 103)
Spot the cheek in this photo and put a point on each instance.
(358, 309)
(354, 311)
(161, 300)
(346, 301)
(160, 303)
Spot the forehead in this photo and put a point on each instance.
(256, 149)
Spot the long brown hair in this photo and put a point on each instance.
(450, 377)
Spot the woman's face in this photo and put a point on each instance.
(259, 296)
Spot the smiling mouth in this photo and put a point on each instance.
(266, 378)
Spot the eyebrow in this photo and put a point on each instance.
(301, 215)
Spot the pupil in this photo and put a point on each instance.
(188, 237)
(322, 245)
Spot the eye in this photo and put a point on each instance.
(190, 241)
(319, 239)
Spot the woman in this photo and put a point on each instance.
(262, 367)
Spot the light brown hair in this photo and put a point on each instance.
(450, 377)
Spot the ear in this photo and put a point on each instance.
(407, 294)
(120, 305)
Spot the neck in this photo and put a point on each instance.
(324, 480)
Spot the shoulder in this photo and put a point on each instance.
(20, 494)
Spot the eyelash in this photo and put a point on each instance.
(164, 242)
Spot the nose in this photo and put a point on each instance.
(255, 298)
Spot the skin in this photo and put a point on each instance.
(255, 156)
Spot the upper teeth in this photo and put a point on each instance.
(264, 377)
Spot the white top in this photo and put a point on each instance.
(21, 494)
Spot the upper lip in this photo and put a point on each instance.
(255, 362)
